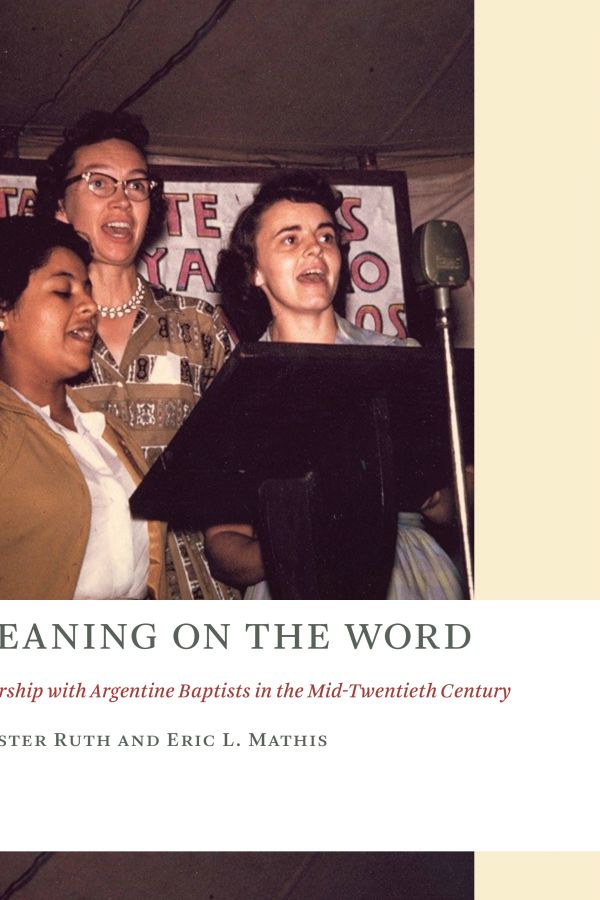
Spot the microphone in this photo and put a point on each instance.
(440, 259)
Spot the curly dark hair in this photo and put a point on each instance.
(246, 305)
(25, 245)
(92, 128)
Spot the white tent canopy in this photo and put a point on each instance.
(258, 82)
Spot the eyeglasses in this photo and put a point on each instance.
(102, 185)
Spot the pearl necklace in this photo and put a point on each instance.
(114, 312)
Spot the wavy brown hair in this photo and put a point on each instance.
(25, 245)
(246, 305)
(92, 128)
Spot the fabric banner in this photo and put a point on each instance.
(202, 206)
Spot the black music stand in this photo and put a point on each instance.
(318, 446)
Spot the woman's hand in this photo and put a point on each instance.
(234, 555)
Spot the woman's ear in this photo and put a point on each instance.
(60, 213)
(6, 317)
(257, 279)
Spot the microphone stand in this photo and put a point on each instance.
(443, 307)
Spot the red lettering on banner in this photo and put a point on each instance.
(5, 193)
(356, 230)
(394, 310)
(356, 270)
(193, 264)
(369, 309)
(174, 214)
(26, 201)
(203, 212)
(152, 260)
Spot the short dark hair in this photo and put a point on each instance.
(25, 245)
(92, 128)
(246, 305)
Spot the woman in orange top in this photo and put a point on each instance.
(66, 472)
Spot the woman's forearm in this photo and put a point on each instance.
(234, 555)
(440, 508)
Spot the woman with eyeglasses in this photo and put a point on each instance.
(66, 471)
(155, 352)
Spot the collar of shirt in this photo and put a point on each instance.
(92, 422)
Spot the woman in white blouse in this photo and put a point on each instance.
(66, 472)
(280, 280)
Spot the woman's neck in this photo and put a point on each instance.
(42, 393)
(112, 285)
(320, 328)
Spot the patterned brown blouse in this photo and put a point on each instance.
(177, 346)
